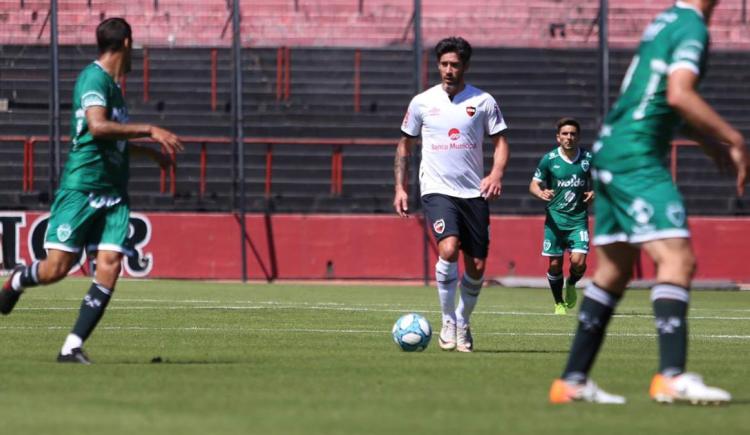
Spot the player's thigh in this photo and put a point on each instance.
(442, 215)
(71, 218)
(555, 241)
(110, 232)
(474, 227)
(614, 266)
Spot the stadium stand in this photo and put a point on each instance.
(542, 72)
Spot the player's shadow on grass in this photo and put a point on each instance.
(520, 351)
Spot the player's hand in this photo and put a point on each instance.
(490, 187)
(166, 138)
(547, 194)
(401, 203)
(588, 196)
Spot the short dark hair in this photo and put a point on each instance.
(562, 122)
(112, 33)
(454, 44)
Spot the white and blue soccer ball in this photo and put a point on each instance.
(412, 332)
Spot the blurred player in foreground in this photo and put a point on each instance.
(638, 206)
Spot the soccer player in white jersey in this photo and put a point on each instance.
(453, 118)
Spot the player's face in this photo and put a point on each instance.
(451, 71)
(567, 137)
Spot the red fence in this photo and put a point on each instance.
(168, 179)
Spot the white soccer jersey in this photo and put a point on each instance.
(452, 136)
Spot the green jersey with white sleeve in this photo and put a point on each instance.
(638, 130)
(96, 165)
(570, 179)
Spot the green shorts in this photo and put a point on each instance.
(96, 222)
(557, 241)
(637, 206)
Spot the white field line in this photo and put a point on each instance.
(354, 331)
(270, 305)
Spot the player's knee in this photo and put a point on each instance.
(555, 266)
(449, 250)
(578, 266)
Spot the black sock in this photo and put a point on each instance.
(596, 311)
(670, 312)
(556, 285)
(92, 309)
(29, 276)
(576, 275)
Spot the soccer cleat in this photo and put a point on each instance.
(447, 337)
(571, 295)
(464, 340)
(77, 356)
(687, 387)
(563, 392)
(8, 296)
(560, 309)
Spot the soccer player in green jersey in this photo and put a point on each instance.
(91, 208)
(638, 207)
(563, 179)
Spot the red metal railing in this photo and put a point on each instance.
(673, 155)
(146, 76)
(168, 179)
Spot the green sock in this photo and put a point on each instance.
(92, 310)
(670, 312)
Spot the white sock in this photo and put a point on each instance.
(446, 275)
(470, 289)
(71, 342)
(15, 282)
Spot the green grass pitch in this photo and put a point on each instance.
(315, 359)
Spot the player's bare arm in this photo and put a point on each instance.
(706, 122)
(491, 185)
(101, 127)
(537, 189)
(588, 197)
(400, 173)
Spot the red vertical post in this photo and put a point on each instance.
(357, 83)
(287, 73)
(204, 161)
(25, 165)
(279, 72)
(146, 75)
(214, 66)
(173, 174)
(269, 163)
(333, 171)
(163, 176)
(673, 162)
(123, 84)
(31, 164)
(340, 172)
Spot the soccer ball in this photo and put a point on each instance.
(412, 332)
